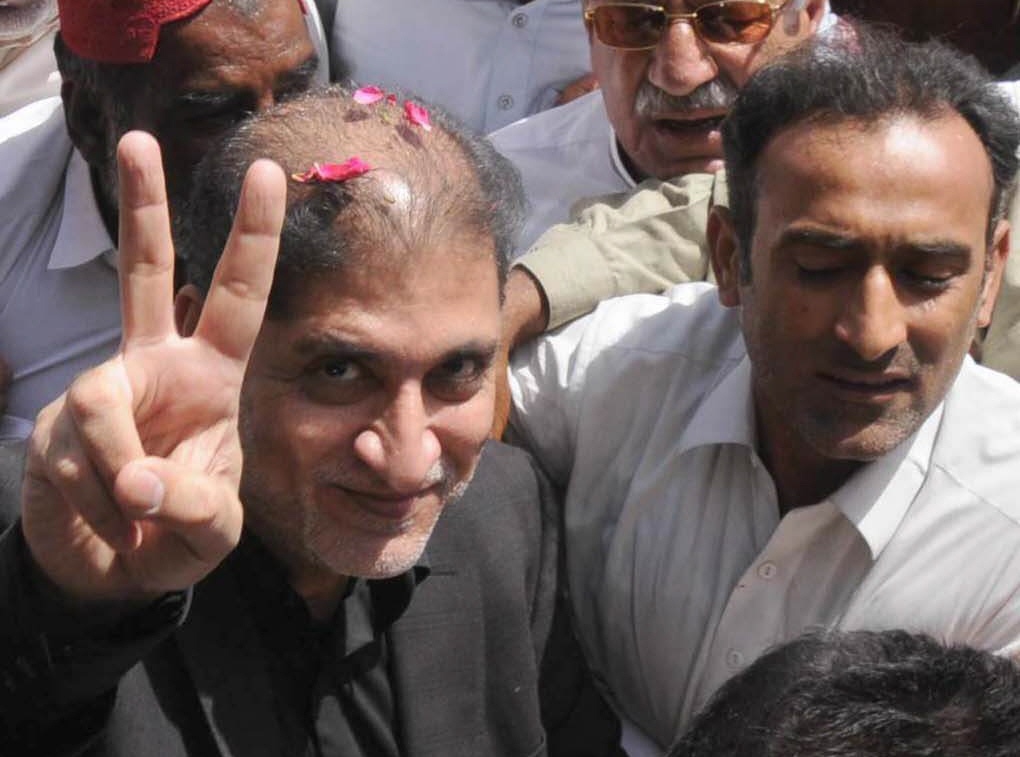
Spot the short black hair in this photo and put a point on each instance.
(863, 694)
(865, 75)
(456, 179)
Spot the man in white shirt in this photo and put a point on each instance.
(489, 62)
(660, 102)
(808, 445)
(187, 83)
(28, 70)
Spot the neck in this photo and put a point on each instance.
(322, 593)
(321, 588)
(802, 476)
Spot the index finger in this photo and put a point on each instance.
(146, 249)
(236, 301)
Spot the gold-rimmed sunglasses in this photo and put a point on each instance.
(640, 26)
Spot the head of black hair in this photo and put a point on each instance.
(863, 694)
(863, 77)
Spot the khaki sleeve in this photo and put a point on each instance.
(1001, 347)
(641, 241)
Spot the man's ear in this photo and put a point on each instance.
(725, 251)
(87, 123)
(804, 18)
(999, 252)
(187, 309)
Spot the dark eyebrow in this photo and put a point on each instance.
(819, 238)
(298, 78)
(312, 344)
(946, 248)
(473, 351)
(203, 100)
(327, 343)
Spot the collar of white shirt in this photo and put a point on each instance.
(82, 236)
(875, 499)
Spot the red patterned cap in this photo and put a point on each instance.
(119, 31)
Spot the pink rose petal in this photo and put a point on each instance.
(368, 95)
(335, 172)
(418, 115)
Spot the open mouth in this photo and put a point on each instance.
(690, 125)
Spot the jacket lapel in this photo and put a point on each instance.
(221, 650)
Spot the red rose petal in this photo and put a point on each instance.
(417, 115)
(368, 95)
(333, 172)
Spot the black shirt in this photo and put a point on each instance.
(331, 681)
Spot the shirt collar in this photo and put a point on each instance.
(82, 236)
(726, 415)
(617, 159)
(878, 496)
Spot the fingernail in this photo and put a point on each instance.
(150, 490)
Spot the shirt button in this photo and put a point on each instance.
(767, 571)
(520, 20)
(505, 102)
(735, 659)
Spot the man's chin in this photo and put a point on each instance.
(859, 444)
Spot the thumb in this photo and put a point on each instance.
(202, 510)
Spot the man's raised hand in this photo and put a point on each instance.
(132, 476)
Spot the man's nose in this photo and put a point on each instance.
(400, 446)
(873, 321)
(681, 61)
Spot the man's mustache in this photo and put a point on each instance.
(718, 94)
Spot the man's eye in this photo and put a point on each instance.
(458, 379)
(929, 280)
(817, 272)
(462, 368)
(340, 370)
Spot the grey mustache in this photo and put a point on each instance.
(718, 94)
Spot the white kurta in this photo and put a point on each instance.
(489, 62)
(59, 306)
(680, 568)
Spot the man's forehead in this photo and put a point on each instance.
(222, 44)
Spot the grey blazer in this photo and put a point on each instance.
(484, 661)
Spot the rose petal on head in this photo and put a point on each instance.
(417, 115)
(349, 169)
(368, 95)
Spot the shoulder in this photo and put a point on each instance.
(684, 325)
(34, 152)
(978, 445)
(580, 121)
(506, 500)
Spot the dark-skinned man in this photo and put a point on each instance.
(807, 444)
(190, 71)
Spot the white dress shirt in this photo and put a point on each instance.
(680, 568)
(489, 62)
(564, 155)
(28, 74)
(59, 307)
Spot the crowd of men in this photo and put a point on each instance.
(253, 351)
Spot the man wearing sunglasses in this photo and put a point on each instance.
(668, 74)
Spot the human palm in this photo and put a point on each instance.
(132, 476)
